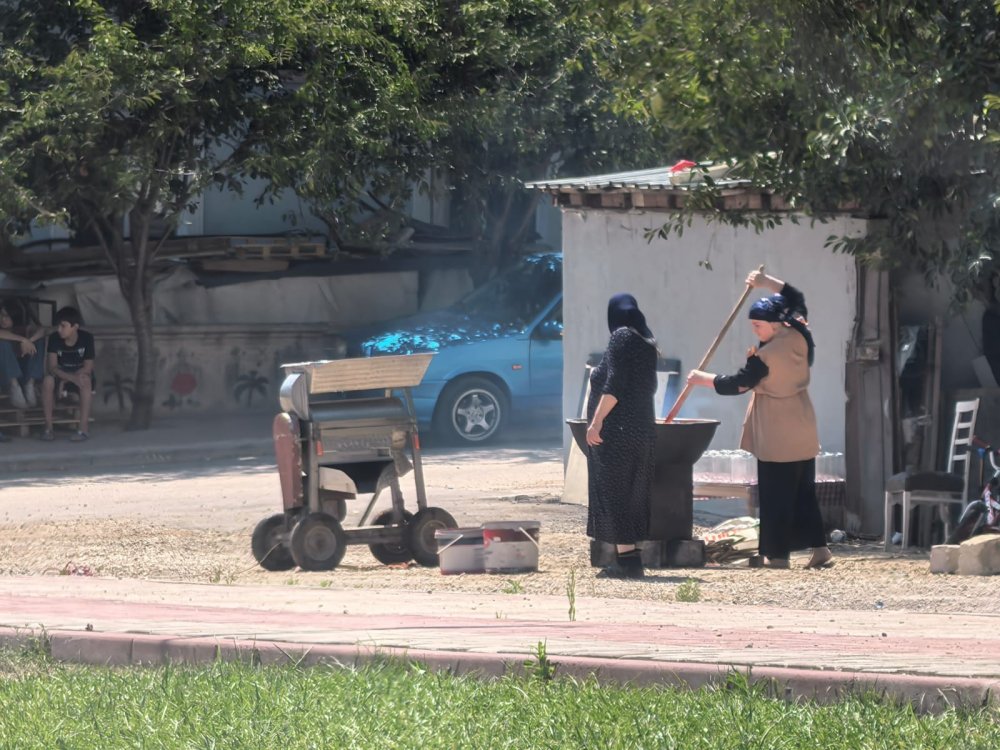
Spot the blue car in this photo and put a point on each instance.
(498, 351)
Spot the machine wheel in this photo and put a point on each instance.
(318, 542)
(471, 410)
(389, 553)
(420, 534)
(270, 550)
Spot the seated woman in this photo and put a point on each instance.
(22, 353)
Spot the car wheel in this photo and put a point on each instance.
(471, 410)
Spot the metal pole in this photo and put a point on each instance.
(711, 350)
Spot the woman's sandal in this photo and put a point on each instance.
(821, 560)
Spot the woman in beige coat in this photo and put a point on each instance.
(780, 425)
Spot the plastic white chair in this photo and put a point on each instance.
(935, 488)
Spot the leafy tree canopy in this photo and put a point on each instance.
(505, 91)
(886, 105)
(533, 84)
(109, 105)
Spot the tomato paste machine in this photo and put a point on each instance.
(342, 432)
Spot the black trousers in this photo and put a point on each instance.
(789, 512)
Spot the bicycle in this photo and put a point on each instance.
(981, 516)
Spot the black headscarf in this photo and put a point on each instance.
(623, 312)
(776, 309)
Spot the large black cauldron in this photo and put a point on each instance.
(679, 445)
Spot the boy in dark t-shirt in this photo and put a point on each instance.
(70, 362)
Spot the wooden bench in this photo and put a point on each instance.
(24, 419)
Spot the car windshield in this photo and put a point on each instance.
(516, 297)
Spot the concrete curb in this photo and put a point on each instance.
(924, 693)
(112, 458)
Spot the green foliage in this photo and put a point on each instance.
(887, 109)
(540, 667)
(689, 591)
(219, 574)
(391, 704)
(571, 593)
(513, 586)
(497, 93)
(111, 107)
(530, 87)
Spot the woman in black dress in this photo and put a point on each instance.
(621, 436)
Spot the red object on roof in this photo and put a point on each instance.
(682, 165)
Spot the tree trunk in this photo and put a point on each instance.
(135, 279)
(140, 304)
(507, 229)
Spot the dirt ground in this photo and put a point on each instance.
(194, 524)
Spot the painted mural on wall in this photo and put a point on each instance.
(114, 373)
(210, 371)
(117, 389)
(182, 380)
(245, 383)
(248, 385)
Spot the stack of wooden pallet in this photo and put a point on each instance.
(273, 247)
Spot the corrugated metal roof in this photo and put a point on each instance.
(657, 178)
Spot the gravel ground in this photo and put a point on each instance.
(863, 578)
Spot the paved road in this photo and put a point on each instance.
(233, 494)
(185, 441)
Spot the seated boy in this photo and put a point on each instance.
(70, 363)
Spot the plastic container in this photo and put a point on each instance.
(460, 550)
(510, 546)
(830, 467)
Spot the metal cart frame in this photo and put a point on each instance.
(333, 419)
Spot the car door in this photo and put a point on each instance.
(545, 359)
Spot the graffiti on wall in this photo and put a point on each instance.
(224, 372)
(245, 378)
(183, 379)
(248, 385)
(118, 387)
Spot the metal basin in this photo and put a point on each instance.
(671, 504)
(679, 442)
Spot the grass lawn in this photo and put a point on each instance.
(52, 706)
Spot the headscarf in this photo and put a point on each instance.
(776, 309)
(623, 312)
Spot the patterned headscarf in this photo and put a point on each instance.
(623, 312)
(775, 309)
